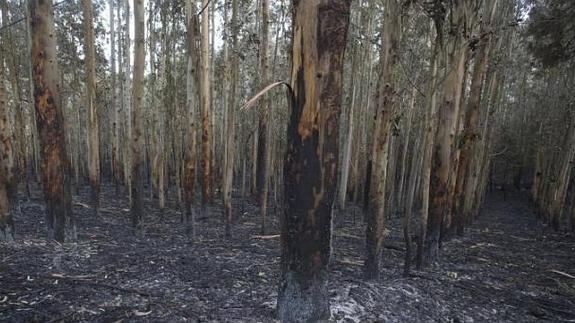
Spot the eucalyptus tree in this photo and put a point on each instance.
(206, 103)
(50, 122)
(136, 144)
(93, 130)
(385, 102)
(460, 15)
(7, 179)
(230, 122)
(263, 148)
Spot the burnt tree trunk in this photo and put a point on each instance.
(310, 171)
(50, 121)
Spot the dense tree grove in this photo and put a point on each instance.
(403, 109)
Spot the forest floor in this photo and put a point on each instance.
(507, 267)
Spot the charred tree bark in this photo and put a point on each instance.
(319, 39)
(137, 116)
(50, 121)
(93, 129)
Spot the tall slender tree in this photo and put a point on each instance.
(115, 131)
(263, 153)
(93, 128)
(385, 106)
(230, 123)
(7, 179)
(206, 103)
(192, 97)
(448, 112)
(137, 116)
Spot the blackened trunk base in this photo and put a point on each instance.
(7, 230)
(371, 267)
(303, 299)
(431, 247)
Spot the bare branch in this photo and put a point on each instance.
(252, 102)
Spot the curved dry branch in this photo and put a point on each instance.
(252, 102)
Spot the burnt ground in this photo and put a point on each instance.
(508, 267)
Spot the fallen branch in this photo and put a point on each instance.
(562, 273)
(275, 236)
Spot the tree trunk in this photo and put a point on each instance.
(385, 107)
(319, 39)
(206, 161)
(19, 172)
(538, 172)
(572, 219)
(446, 130)
(126, 98)
(404, 164)
(192, 91)
(345, 164)
(429, 125)
(472, 114)
(93, 130)
(263, 154)
(230, 131)
(7, 180)
(414, 177)
(114, 98)
(50, 122)
(561, 185)
(137, 116)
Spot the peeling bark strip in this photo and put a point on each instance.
(319, 39)
(49, 120)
